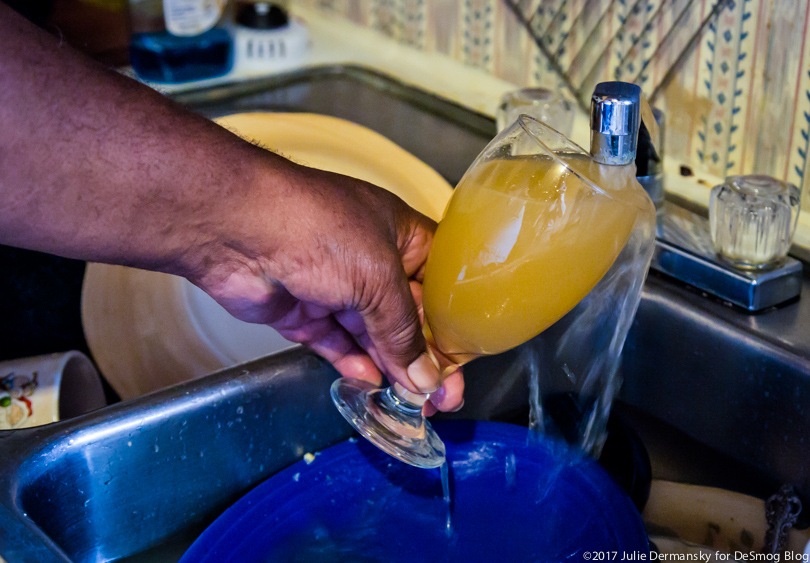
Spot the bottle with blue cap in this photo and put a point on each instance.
(176, 41)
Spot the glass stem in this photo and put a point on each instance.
(401, 400)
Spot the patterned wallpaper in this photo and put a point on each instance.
(739, 103)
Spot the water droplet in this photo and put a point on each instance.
(240, 409)
(156, 448)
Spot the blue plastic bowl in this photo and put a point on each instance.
(512, 501)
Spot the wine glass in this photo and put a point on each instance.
(531, 228)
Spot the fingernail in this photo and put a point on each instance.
(423, 374)
(459, 407)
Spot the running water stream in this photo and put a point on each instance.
(448, 502)
(573, 366)
(573, 377)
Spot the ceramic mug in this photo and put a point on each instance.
(44, 389)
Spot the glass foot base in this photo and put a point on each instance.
(393, 425)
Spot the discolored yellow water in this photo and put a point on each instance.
(523, 240)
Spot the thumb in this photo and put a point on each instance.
(396, 335)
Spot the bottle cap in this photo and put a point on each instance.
(261, 15)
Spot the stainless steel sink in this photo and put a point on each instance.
(152, 471)
(441, 133)
(722, 396)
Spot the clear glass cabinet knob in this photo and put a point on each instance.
(753, 219)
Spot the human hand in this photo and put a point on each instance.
(134, 179)
(336, 264)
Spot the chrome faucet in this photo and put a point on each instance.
(683, 246)
(615, 118)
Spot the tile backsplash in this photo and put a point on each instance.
(738, 103)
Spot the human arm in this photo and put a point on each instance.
(98, 167)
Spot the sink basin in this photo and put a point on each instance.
(441, 133)
(141, 473)
(723, 395)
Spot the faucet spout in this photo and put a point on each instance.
(615, 112)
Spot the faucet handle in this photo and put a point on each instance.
(615, 109)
